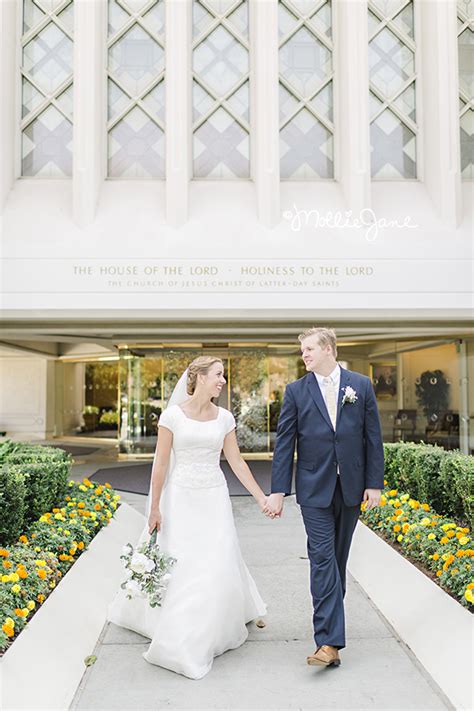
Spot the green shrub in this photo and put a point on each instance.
(457, 475)
(443, 479)
(43, 473)
(427, 473)
(12, 504)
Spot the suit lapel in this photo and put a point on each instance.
(318, 398)
(344, 381)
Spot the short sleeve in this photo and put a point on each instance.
(167, 419)
(229, 422)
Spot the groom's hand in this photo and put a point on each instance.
(275, 505)
(371, 498)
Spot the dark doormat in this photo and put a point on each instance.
(135, 478)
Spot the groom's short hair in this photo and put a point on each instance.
(326, 337)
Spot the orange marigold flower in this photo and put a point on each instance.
(81, 505)
(97, 507)
(9, 631)
(397, 528)
(439, 573)
(459, 554)
(444, 539)
(4, 553)
(23, 539)
(7, 564)
(22, 573)
(41, 573)
(40, 597)
(435, 556)
(450, 534)
(107, 485)
(80, 545)
(86, 481)
(425, 507)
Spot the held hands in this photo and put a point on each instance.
(371, 498)
(154, 521)
(272, 506)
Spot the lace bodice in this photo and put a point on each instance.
(197, 447)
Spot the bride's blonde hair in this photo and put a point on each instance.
(199, 365)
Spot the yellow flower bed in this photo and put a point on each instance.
(31, 569)
(440, 544)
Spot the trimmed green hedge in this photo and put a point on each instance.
(32, 480)
(444, 479)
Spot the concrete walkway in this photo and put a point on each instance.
(269, 671)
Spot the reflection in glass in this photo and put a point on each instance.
(248, 399)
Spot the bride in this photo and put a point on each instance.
(211, 594)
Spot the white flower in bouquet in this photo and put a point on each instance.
(141, 564)
(146, 571)
(133, 587)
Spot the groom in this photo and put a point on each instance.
(331, 414)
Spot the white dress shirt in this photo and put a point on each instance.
(336, 379)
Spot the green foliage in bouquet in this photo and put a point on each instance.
(147, 571)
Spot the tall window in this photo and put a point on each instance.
(221, 104)
(393, 128)
(46, 106)
(136, 89)
(306, 90)
(466, 85)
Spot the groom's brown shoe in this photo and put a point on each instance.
(324, 656)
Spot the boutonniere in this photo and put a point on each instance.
(349, 396)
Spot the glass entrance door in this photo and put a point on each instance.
(256, 379)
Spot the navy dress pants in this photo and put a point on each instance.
(329, 531)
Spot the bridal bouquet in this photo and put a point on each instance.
(147, 571)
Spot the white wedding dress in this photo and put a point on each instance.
(211, 594)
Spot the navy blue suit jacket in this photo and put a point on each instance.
(356, 444)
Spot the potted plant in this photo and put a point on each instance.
(90, 414)
(432, 394)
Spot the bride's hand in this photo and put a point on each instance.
(263, 506)
(154, 521)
